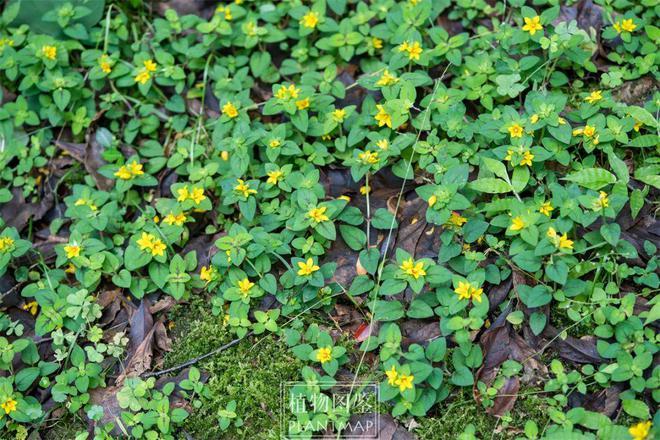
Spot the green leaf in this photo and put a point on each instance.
(534, 296)
(611, 233)
(354, 237)
(636, 408)
(592, 178)
(490, 185)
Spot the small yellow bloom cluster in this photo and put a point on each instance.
(318, 214)
(152, 244)
(641, 430)
(144, 74)
(324, 355)
(382, 117)
(594, 96)
(208, 274)
(376, 42)
(31, 307)
(532, 25)
(245, 285)
(546, 209)
(303, 104)
(466, 290)
(517, 224)
(172, 219)
(72, 250)
(413, 49)
(588, 132)
(386, 79)
(230, 110)
(601, 202)
(310, 20)
(396, 379)
(627, 25)
(9, 405)
(525, 156)
(338, 115)
(456, 221)
(104, 64)
(560, 241)
(6, 244)
(243, 188)
(49, 52)
(368, 157)
(274, 143)
(129, 171)
(290, 92)
(274, 177)
(306, 268)
(515, 131)
(410, 268)
(84, 202)
(226, 10)
(194, 193)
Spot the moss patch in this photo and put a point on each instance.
(250, 373)
(454, 416)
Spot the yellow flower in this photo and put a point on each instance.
(527, 159)
(172, 219)
(6, 243)
(318, 214)
(637, 126)
(383, 144)
(226, 10)
(515, 131)
(565, 243)
(386, 79)
(377, 43)
(310, 20)
(324, 355)
(243, 188)
(382, 117)
(104, 64)
(532, 25)
(146, 241)
(414, 51)
(208, 274)
(9, 405)
(601, 202)
(404, 382)
(455, 220)
(589, 131)
(285, 92)
(183, 194)
(365, 189)
(230, 110)
(348, 199)
(368, 157)
(156, 219)
(123, 173)
(517, 224)
(49, 52)
(135, 168)
(302, 104)
(546, 209)
(157, 247)
(627, 25)
(476, 294)
(274, 177)
(391, 376)
(245, 285)
(150, 66)
(72, 250)
(274, 143)
(432, 200)
(142, 77)
(560, 241)
(31, 307)
(197, 195)
(561, 121)
(639, 431)
(410, 268)
(463, 290)
(534, 118)
(594, 96)
(338, 115)
(307, 267)
(403, 47)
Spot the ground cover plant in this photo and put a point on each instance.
(453, 203)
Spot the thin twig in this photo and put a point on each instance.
(198, 358)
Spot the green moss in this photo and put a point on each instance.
(455, 415)
(250, 373)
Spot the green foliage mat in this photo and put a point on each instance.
(261, 219)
